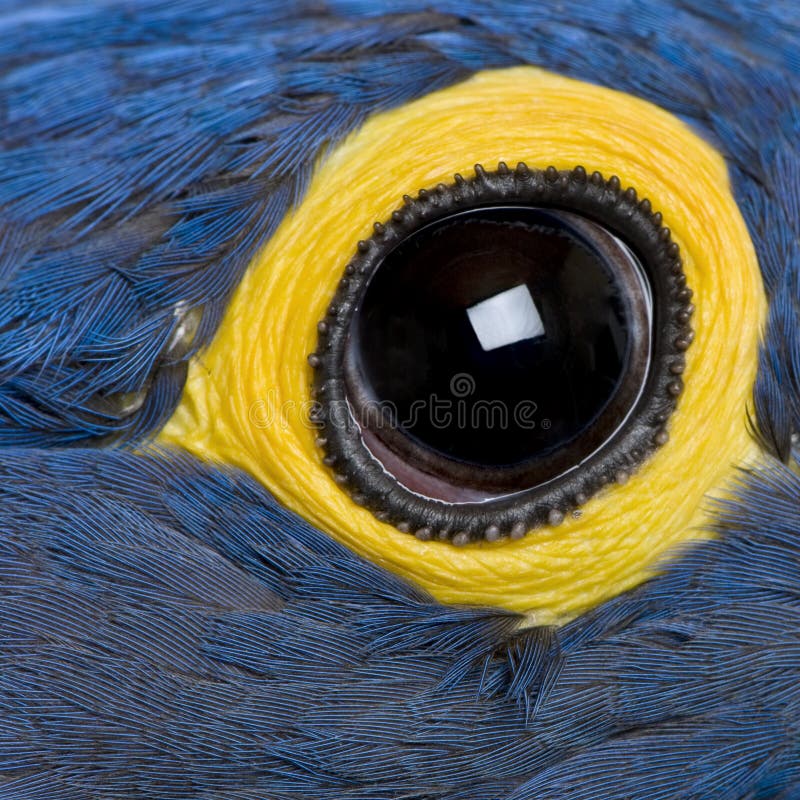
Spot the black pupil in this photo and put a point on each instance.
(504, 342)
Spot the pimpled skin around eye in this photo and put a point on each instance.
(169, 627)
(474, 316)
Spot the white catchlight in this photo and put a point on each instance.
(506, 318)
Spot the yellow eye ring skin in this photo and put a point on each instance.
(247, 397)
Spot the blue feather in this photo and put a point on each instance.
(245, 654)
(151, 148)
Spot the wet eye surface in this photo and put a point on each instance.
(501, 349)
(486, 321)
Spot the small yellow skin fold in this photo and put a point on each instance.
(247, 397)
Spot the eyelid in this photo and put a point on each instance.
(247, 397)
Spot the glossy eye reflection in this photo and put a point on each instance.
(501, 349)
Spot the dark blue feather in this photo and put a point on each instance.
(169, 631)
(149, 148)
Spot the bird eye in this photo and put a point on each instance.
(551, 294)
(499, 350)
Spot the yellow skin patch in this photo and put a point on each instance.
(247, 397)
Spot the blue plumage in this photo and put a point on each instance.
(170, 631)
(167, 630)
(149, 148)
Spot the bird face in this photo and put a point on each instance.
(240, 231)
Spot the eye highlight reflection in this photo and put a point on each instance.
(507, 318)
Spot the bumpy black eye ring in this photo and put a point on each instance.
(342, 438)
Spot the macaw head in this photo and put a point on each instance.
(454, 348)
